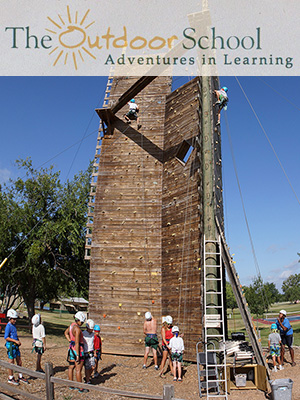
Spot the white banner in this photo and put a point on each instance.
(140, 37)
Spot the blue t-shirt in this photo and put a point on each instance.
(11, 332)
(285, 323)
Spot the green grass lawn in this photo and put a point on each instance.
(235, 323)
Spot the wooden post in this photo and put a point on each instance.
(49, 384)
(169, 392)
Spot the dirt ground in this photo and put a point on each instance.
(126, 373)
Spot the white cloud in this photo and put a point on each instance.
(5, 174)
(278, 275)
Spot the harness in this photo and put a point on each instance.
(34, 344)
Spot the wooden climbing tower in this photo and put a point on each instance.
(146, 223)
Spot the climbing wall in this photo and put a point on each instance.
(182, 214)
(125, 263)
(146, 239)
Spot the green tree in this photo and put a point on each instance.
(230, 297)
(51, 217)
(272, 293)
(291, 287)
(256, 297)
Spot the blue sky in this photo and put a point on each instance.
(43, 116)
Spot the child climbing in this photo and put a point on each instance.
(12, 345)
(88, 348)
(97, 348)
(133, 113)
(39, 340)
(222, 100)
(274, 344)
(75, 354)
(151, 340)
(177, 349)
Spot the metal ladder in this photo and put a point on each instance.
(214, 375)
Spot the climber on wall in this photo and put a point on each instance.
(133, 113)
(222, 100)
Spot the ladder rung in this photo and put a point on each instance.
(213, 279)
(212, 350)
(213, 253)
(211, 265)
(216, 380)
(223, 396)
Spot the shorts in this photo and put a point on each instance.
(89, 360)
(275, 350)
(151, 341)
(72, 355)
(287, 340)
(164, 347)
(12, 351)
(176, 357)
(39, 350)
(132, 115)
(98, 355)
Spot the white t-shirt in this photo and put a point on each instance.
(132, 106)
(88, 341)
(176, 344)
(38, 332)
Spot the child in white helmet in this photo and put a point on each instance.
(75, 354)
(177, 349)
(133, 113)
(88, 348)
(12, 345)
(151, 340)
(222, 100)
(39, 340)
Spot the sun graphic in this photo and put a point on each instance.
(71, 37)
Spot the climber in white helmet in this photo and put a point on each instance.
(151, 340)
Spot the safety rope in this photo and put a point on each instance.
(269, 141)
(264, 297)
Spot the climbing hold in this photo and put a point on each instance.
(169, 223)
(153, 301)
(138, 313)
(120, 304)
(119, 327)
(104, 315)
(140, 340)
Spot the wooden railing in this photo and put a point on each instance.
(50, 380)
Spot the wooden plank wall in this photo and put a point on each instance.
(182, 216)
(125, 265)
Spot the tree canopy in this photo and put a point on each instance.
(44, 221)
(291, 287)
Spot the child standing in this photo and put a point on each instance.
(12, 344)
(177, 348)
(39, 340)
(97, 349)
(88, 348)
(274, 344)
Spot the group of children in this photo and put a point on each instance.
(172, 345)
(85, 348)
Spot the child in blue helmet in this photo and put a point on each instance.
(222, 100)
(133, 113)
(274, 344)
(97, 348)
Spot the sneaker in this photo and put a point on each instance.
(156, 367)
(13, 381)
(144, 366)
(275, 369)
(293, 364)
(218, 123)
(72, 388)
(24, 380)
(82, 390)
(281, 367)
